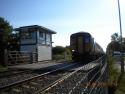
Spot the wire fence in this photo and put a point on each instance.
(89, 79)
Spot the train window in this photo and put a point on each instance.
(73, 40)
(73, 43)
(87, 39)
(80, 44)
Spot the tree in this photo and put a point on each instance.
(13, 42)
(115, 37)
(5, 30)
(115, 44)
(68, 50)
(58, 50)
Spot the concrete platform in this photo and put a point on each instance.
(36, 66)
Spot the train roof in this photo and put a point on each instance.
(81, 33)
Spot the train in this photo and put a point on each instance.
(84, 48)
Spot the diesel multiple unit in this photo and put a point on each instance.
(84, 48)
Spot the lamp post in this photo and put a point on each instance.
(120, 24)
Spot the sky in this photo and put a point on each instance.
(98, 17)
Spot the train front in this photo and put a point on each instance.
(82, 46)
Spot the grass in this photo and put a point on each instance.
(3, 68)
(121, 86)
(61, 56)
(115, 76)
(113, 72)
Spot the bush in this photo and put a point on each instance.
(58, 50)
(58, 57)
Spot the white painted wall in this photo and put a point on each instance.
(44, 53)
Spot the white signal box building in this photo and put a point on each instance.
(36, 39)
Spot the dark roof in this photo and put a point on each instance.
(81, 33)
(36, 27)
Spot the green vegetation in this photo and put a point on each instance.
(121, 85)
(5, 30)
(113, 72)
(58, 50)
(60, 53)
(3, 68)
(115, 75)
(58, 57)
(115, 44)
(8, 40)
(116, 78)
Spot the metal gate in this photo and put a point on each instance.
(19, 57)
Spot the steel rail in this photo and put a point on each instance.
(65, 77)
(42, 91)
(101, 66)
(32, 78)
(96, 85)
(96, 72)
(8, 73)
(102, 79)
(54, 83)
(81, 81)
(90, 81)
(97, 80)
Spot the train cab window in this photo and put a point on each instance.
(73, 43)
(80, 44)
(87, 39)
(73, 40)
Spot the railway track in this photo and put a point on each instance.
(33, 83)
(69, 83)
(51, 82)
(10, 72)
(17, 76)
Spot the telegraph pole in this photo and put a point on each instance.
(120, 24)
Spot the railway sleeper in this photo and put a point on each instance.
(16, 90)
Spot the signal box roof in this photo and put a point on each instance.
(20, 29)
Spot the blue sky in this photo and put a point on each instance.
(98, 17)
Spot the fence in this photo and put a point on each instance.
(18, 57)
(93, 81)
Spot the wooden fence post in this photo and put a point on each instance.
(5, 57)
(31, 57)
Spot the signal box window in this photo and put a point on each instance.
(27, 35)
(48, 39)
(42, 38)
